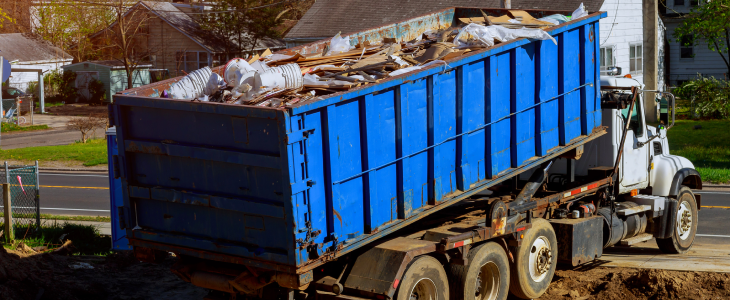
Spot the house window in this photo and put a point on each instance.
(191, 60)
(686, 48)
(694, 2)
(608, 60)
(636, 59)
(678, 2)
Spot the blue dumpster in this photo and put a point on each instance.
(291, 188)
(119, 236)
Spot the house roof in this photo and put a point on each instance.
(112, 64)
(328, 17)
(30, 48)
(188, 26)
(185, 24)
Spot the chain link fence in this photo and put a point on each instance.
(24, 196)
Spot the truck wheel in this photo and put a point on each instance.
(685, 228)
(535, 261)
(486, 277)
(424, 279)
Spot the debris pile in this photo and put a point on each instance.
(276, 80)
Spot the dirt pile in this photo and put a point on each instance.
(623, 284)
(116, 277)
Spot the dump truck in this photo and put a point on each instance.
(468, 179)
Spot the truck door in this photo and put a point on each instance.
(635, 161)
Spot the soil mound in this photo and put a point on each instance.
(624, 284)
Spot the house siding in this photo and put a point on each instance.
(165, 41)
(705, 61)
(626, 18)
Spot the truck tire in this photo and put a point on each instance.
(424, 279)
(535, 261)
(683, 235)
(486, 277)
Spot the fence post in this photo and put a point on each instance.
(8, 214)
(7, 173)
(37, 199)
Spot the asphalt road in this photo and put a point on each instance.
(714, 226)
(74, 194)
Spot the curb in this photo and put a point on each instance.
(10, 135)
(716, 186)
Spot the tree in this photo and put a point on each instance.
(4, 17)
(225, 25)
(88, 125)
(708, 22)
(67, 24)
(15, 16)
(126, 38)
(244, 23)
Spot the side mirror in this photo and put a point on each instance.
(614, 71)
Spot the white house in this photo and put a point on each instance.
(629, 43)
(622, 37)
(685, 62)
(27, 51)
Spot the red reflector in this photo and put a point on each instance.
(458, 244)
(593, 186)
(520, 229)
(395, 284)
(381, 297)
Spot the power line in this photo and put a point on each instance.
(615, 14)
(177, 11)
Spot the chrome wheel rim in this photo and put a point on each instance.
(541, 258)
(684, 220)
(487, 283)
(424, 289)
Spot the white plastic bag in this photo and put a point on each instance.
(339, 45)
(556, 19)
(485, 35)
(579, 12)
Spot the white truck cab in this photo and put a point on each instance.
(646, 164)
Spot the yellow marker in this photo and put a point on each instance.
(74, 187)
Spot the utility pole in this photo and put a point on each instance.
(650, 9)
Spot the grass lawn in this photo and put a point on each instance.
(91, 154)
(69, 218)
(85, 238)
(708, 148)
(8, 127)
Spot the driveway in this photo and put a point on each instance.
(58, 134)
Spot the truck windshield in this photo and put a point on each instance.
(636, 124)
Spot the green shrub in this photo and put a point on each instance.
(709, 97)
(97, 91)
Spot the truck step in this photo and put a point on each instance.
(633, 210)
(637, 239)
